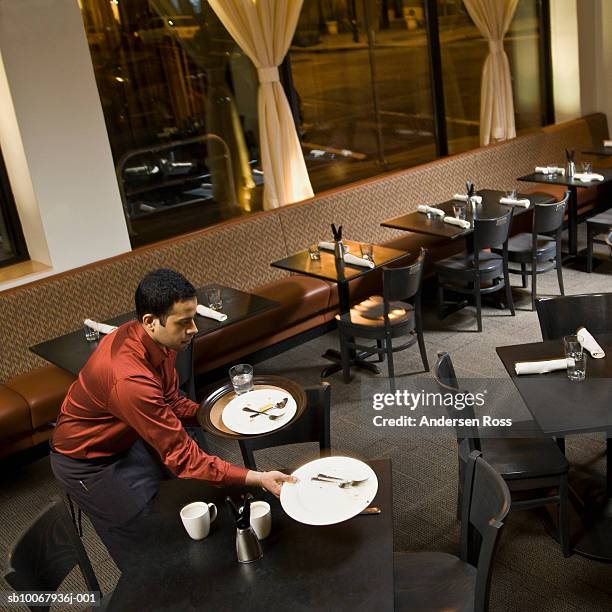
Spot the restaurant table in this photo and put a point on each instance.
(210, 413)
(71, 351)
(347, 566)
(562, 407)
(327, 268)
(600, 151)
(572, 206)
(489, 209)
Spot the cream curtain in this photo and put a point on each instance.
(264, 30)
(493, 18)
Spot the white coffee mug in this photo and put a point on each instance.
(261, 519)
(197, 518)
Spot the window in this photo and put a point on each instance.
(12, 244)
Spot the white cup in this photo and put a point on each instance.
(261, 519)
(197, 518)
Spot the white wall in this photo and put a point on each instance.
(57, 150)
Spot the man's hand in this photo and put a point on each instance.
(271, 481)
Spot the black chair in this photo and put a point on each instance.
(387, 317)
(184, 370)
(46, 552)
(481, 271)
(540, 249)
(439, 581)
(598, 230)
(312, 426)
(561, 316)
(526, 464)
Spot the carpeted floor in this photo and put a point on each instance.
(530, 572)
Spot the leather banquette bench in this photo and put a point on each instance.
(238, 253)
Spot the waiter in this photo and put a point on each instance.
(119, 430)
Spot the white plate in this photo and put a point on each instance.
(239, 421)
(322, 503)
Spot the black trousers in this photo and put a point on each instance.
(116, 495)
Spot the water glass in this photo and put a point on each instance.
(511, 195)
(587, 167)
(459, 210)
(213, 296)
(366, 251)
(314, 253)
(91, 334)
(576, 358)
(241, 376)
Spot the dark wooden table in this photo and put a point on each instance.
(348, 566)
(71, 351)
(600, 151)
(562, 407)
(572, 206)
(327, 268)
(489, 209)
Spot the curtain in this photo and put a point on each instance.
(493, 18)
(264, 29)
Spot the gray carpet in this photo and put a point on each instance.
(530, 572)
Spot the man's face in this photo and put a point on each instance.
(180, 327)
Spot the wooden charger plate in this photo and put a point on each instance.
(211, 408)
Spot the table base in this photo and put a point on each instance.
(356, 362)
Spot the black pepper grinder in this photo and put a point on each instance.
(338, 246)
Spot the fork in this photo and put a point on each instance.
(343, 483)
(272, 417)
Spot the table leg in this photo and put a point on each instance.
(572, 224)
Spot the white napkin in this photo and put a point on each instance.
(353, 260)
(329, 246)
(103, 328)
(607, 143)
(204, 311)
(589, 343)
(422, 208)
(460, 222)
(462, 197)
(524, 202)
(587, 178)
(549, 170)
(540, 367)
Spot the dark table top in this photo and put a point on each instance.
(601, 150)
(489, 209)
(558, 179)
(327, 269)
(561, 406)
(348, 566)
(71, 351)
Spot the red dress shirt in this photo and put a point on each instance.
(129, 389)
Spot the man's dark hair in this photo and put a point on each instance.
(159, 290)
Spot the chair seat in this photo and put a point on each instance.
(521, 458)
(521, 245)
(464, 262)
(431, 581)
(370, 313)
(602, 220)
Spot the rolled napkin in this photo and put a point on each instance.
(607, 143)
(103, 328)
(204, 311)
(587, 178)
(329, 246)
(525, 203)
(589, 343)
(422, 208)
(353, 260)
(462, 197)
(540, 367)
(549, 170)
(460, 222)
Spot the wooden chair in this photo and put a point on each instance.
(312, 426)
(481, 271)
(46, 552)
(540, 249)
(384, 318)
(526, 464)
(440, 581)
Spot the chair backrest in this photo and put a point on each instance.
(491, 232)
(184, 370)
(312, 426)
(561, 316)
(486, 502)
(444, 375)
(46, 552)
(549, 217)
(404, 282)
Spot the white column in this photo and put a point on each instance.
(53, 134)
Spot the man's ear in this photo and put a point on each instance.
(149, 321)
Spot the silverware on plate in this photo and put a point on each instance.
(278, 406)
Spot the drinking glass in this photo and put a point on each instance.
(576, 358)
(314, 253)
(459, 210)
(587, 167)
(91, 334)
(366, 251)
(241, 376)
(213, 295)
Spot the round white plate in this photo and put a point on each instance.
(323, 503)
(239, 421)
